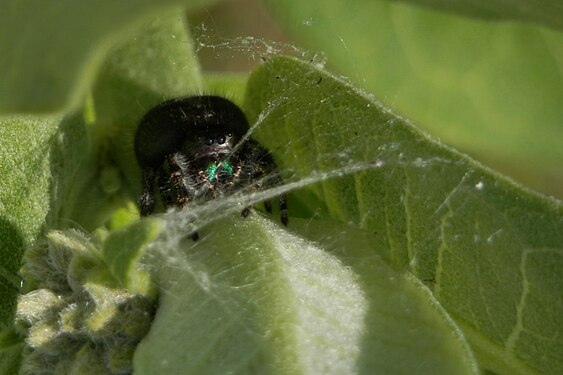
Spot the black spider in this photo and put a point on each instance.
(188, 149)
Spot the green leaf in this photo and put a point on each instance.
(11, 347)
(24, 196)
(123, 250)
(489, 249)
(51, 51)
(49, 179)
(492, 89)
(229, 85)
(59, 171)
(44, 163)
(548, 13)
(71, 302)
(252, 298)
(155, 63)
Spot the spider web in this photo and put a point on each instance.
(256, 51)
(340, 162)
(418, 182)
(177, 251)
(180, 254)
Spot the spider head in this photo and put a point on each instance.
(186, 150)
(200, 127)
(216, 145)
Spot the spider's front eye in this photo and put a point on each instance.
(209, 141)
(221, 139)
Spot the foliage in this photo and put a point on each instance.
(402, 254)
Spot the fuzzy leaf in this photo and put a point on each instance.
(548, 12)
(493, 89)
(24, 196)
(154, 63)
(123, 250)
(489, 249)
(51, 50)
(58, 171)
(251, 298)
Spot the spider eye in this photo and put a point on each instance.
(209, 141)
(221, 139)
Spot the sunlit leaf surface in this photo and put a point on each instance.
(489, 249)
(51, 50)
(492, 89)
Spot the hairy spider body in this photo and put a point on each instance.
(190, 150)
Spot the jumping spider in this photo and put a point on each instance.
(188, 149)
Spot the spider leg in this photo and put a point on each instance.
(268, 206)
(275, 181)
(146, 199)
(179, 187)
(283, 209)
(261, 172)
(246, 211)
